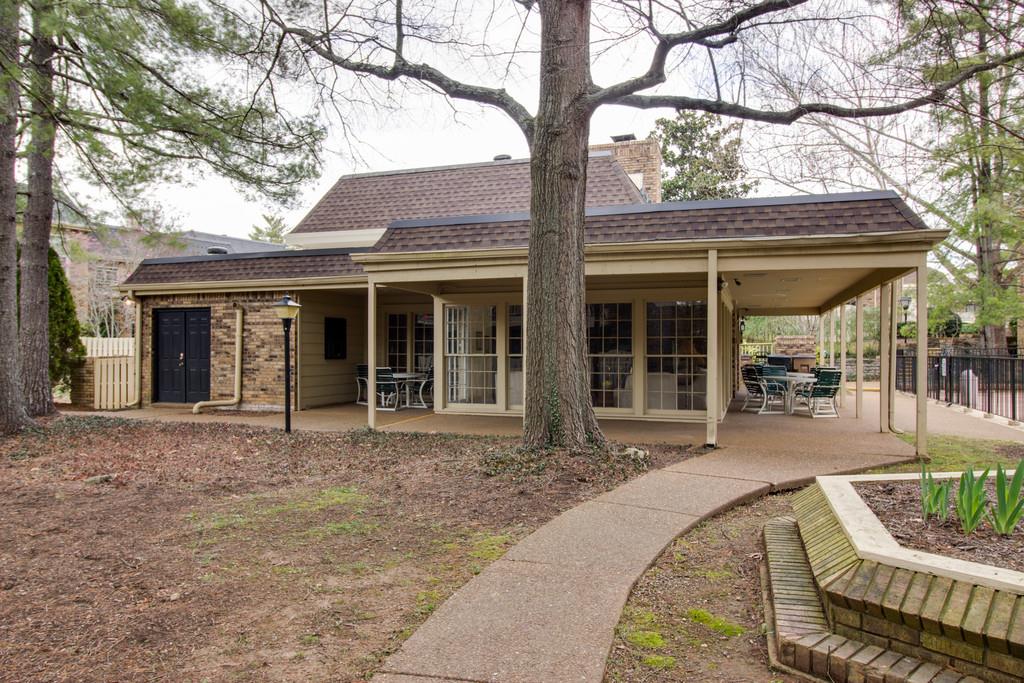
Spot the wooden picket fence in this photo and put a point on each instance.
(105, 380)
(98, 347)
(113, 382)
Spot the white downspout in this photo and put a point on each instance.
(137, 403)
(237, 398)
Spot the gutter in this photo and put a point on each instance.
(237, 397)
(137, 403)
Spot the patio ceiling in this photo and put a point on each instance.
(802, 292)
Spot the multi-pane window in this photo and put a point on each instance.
(471, 354)
(398, 342)
(677, 355)
(515, 355)
(423, 341)
(610, 354)
(105, 274)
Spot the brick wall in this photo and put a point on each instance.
(83, 386)
(794, 344)
(638, 156)
(262, 345)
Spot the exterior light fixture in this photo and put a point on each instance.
(905, 303)
(287, 310)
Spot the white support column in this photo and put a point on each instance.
(894, 326)
(884, 322)
(859, 401)
(711, 384)
(525, 359)
(921, 424)
(371, 355)
(439, 340)
(843, 339)
(821, 339)
(832, 338)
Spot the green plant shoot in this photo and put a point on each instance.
(971, 500)
(934, 497)
(1009, 505)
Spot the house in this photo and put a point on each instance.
(425, 268)
(97, 258)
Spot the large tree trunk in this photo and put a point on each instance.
(35, 344)
(12, 406)
(559, 411)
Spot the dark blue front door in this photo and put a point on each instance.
(182, 353)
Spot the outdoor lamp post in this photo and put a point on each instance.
(905, 303)
(287, 310)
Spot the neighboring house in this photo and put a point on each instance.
(98, 258)
(426, 268)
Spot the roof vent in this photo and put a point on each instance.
(216, 250)
(627, 137)
(502, 157)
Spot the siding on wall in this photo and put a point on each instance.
(323, 381)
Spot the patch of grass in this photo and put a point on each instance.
(649, 640)
(659, 662)
(328, 498)
(218, 521)
(717, 624)
(490, 547)
(346, 528)
(427, 602)
(955, 453)
(285, 570)
(309, 639)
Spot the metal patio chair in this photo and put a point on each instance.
(423, 390)
(820, 398)
(761, 393)
(362, 387)
(389, 390)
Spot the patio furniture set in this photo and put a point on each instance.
(396, 390)
(774, 390)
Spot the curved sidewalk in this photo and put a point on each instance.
(547, 611)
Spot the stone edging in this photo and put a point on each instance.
(871, 541)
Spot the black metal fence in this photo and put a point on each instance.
(991, 384)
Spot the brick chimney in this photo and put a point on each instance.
(641, 159)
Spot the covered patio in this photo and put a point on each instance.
(663, 315)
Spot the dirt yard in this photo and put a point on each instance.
(696, 614)
(138, 551)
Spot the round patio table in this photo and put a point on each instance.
(404, 378)
(792, 380)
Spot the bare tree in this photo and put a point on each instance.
(959, 162)
(443, 47)
(12, 409)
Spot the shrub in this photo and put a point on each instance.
(934, 497)
(1009, 505)
(971, 499)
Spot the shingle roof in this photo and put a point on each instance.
(375, 200)
(272, 265)
(837, 214)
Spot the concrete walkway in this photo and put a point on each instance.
(547, 611)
